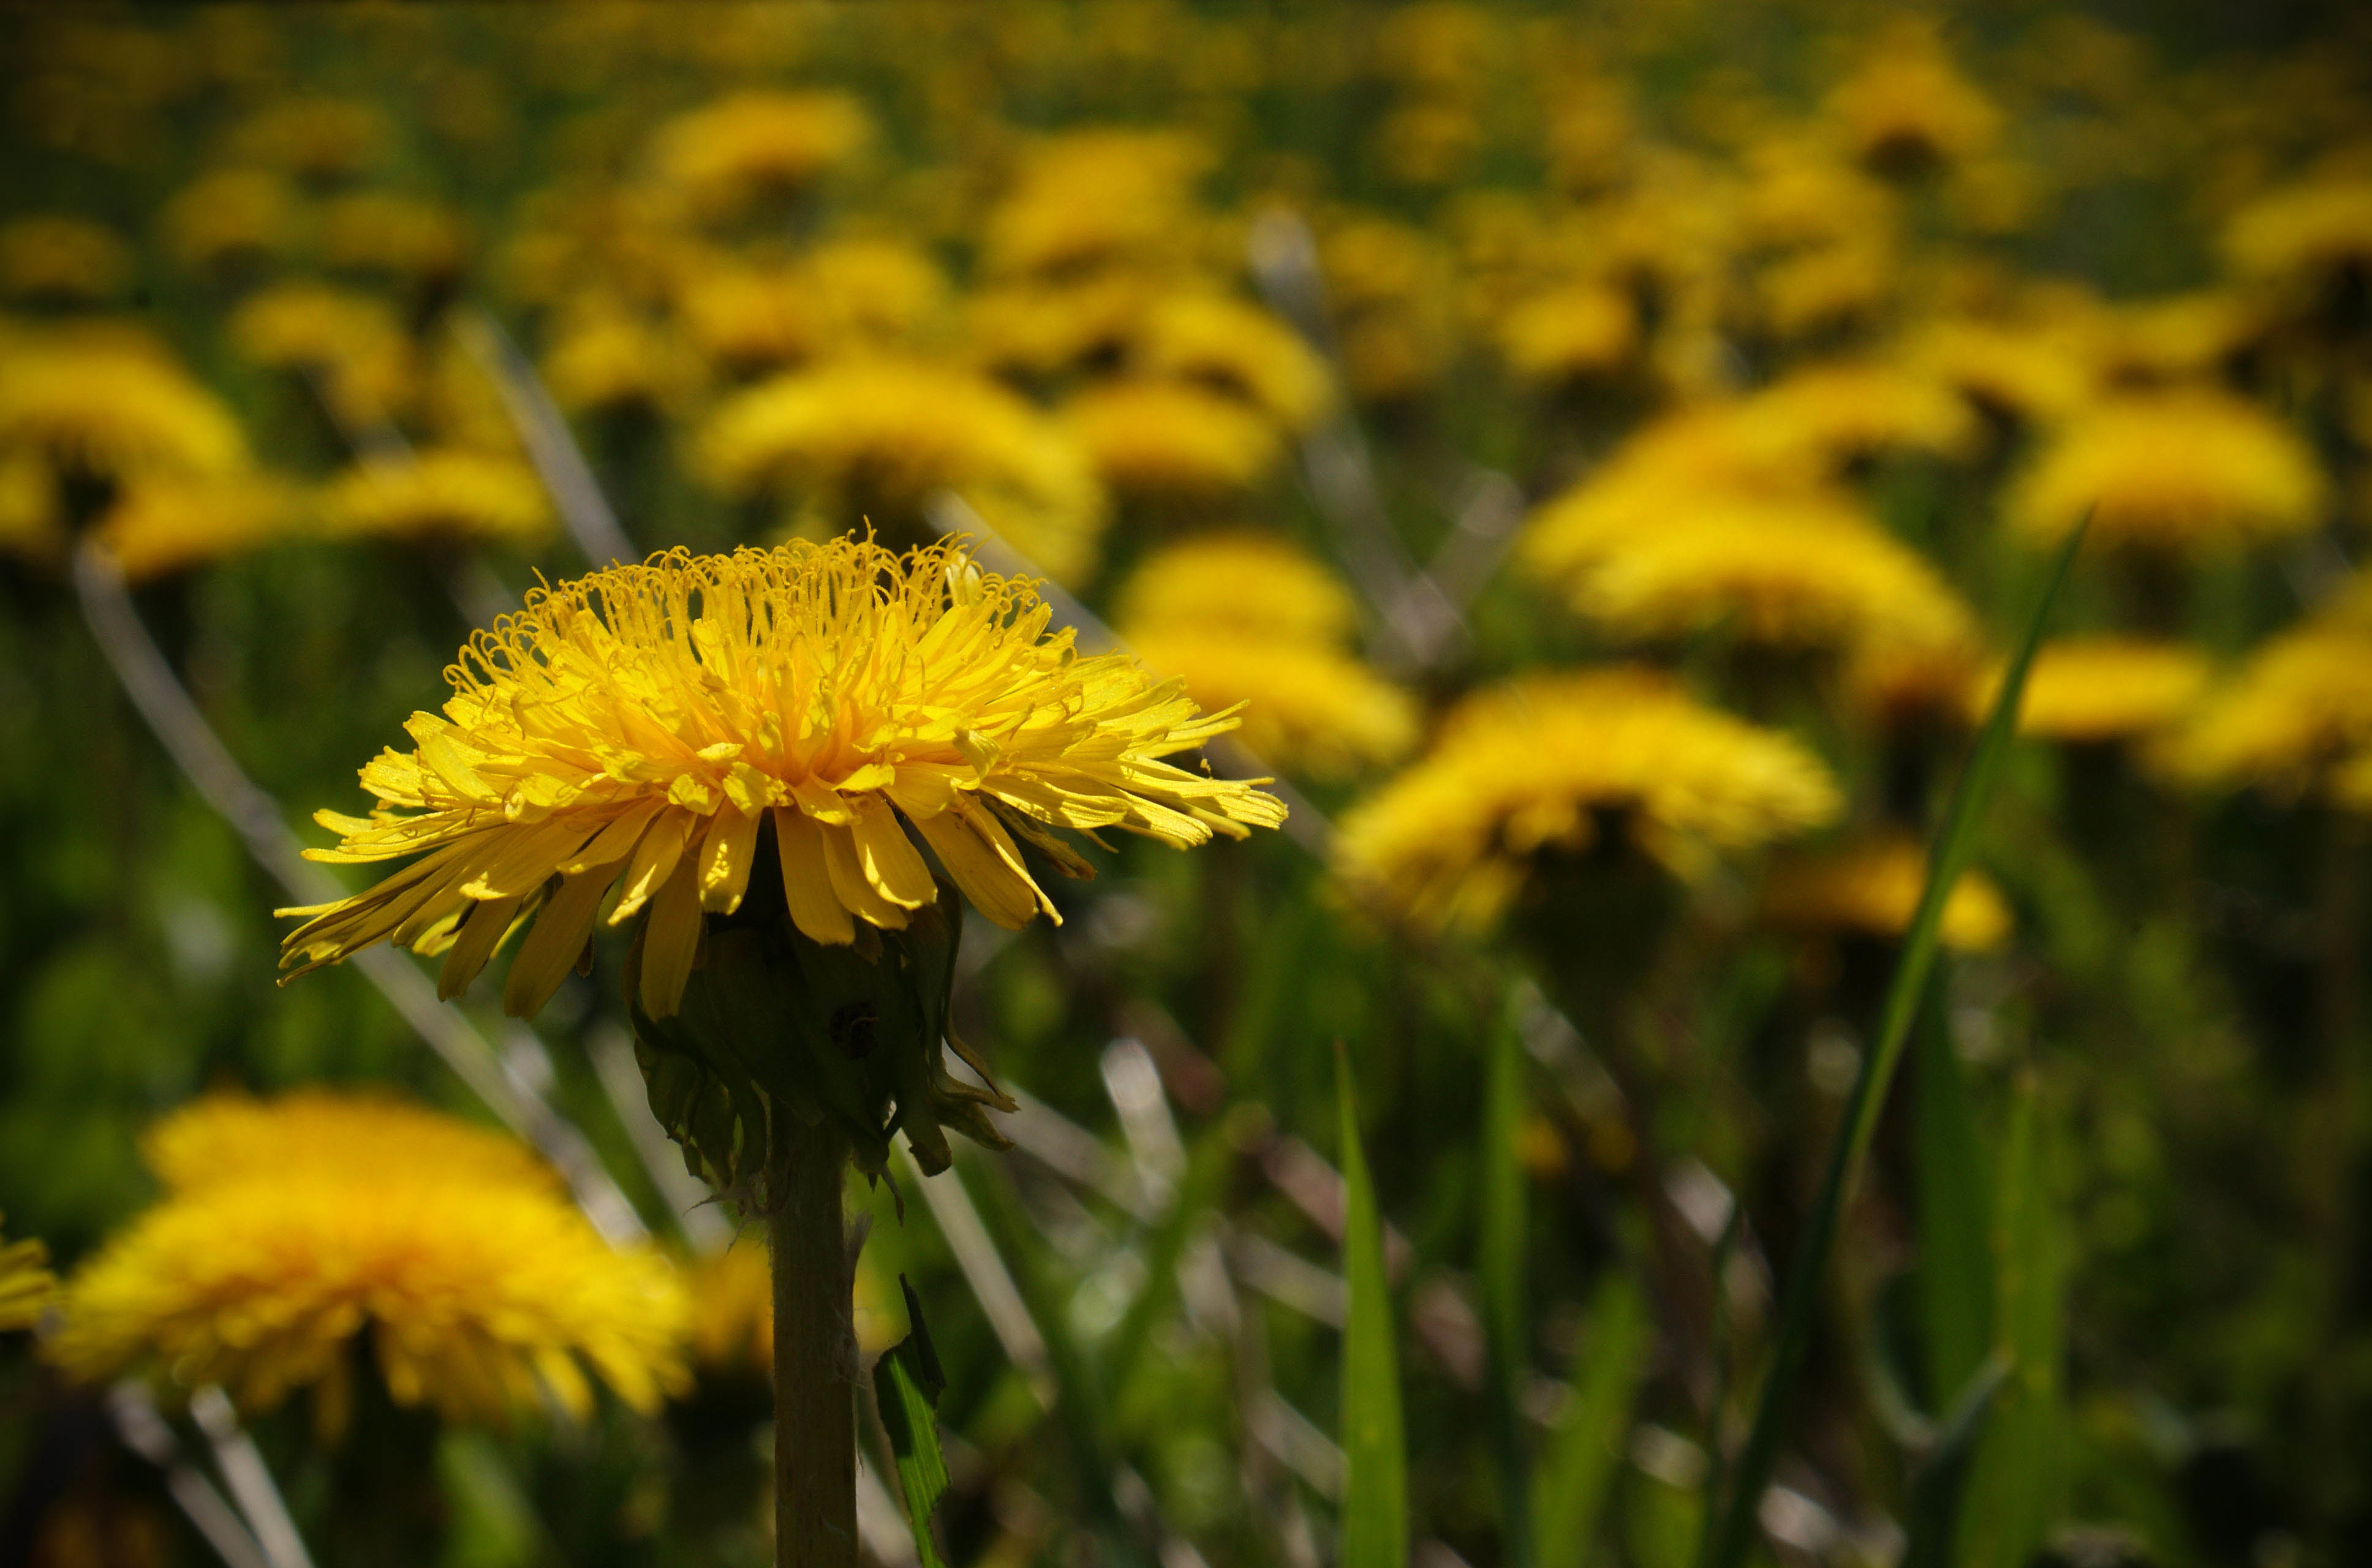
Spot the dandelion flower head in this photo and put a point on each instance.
(229, 218)
(756, 146)
(636, 725)
(1909, 106)
(484, 1292)
(2093, 689)
(59, 258)
(26, 1286)
(2299, 706)
(113, 406)
(351, 344)
(439, 493)
(1528, 768)
(1095, 198)
(2304, 234)
(159, 526)
(1873, 887)
(1256, 585)
(1173, 439)
(2170, 470)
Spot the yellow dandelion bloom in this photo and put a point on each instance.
(635, 727)
(31, 524)
(229, 1137)
(1569, 333)
(1843, 411)
(877, 433)
(2033, 374)
(440, 494)
(1388, 289)
(1527, 768)
(1908, 106)
(231, 218)
(112, 407)
(2171, 471)
(1092, 198)
(750, 319)
(26, 1286)
(1808, 571)
(160, 526)
(1825, 288)
(351, 345)
(602, 354)
(1310, 709)
(758, 146)
(2179, 337)
(2301, 705)
(1238, 349)
(381, 231)
(2306, 234)
(875, 291)
(484, 1292)
(2091, 689)
(54, 257)
(1163, 440)
(1031, 329)
(1873, 887)
(733, 1310)
(321, 138)
(1250, 584)
(1914, 682)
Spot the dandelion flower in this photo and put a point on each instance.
(1848, 409)
(1528, 768)
(350, 345)
(69, 260)
(483, 1291)
(733, 1311)
(636, 725)
(112, 408)
(27, 1285)
(756, 147)
(2033, 374)
(231, 218)
(1238, 349)
(878, 433)
(320, 138)
(1873, 887)
(381, 231)
(160, 526)
(604, 356)
(1252, 584)
(440, 494)
(1172, 439)
(235, 1137)
(1313, 709)
(2300, 706)
(1570, 333)
(31, 526)
(1093, 198)
(1033, 329)
(2171, 471)
(1909, 106)
(2094, 689)
(2307, 234)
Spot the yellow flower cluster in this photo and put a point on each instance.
(291, 1228)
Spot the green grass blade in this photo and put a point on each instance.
(1578, 1471)
(2015, 1490)
(1502, 1269)
(1375, 1451)
(1956, 1275)
(1942, 1485)
(909, 1416)
(1729, 1528)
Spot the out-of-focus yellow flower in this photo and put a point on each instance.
(26, 1286)
(752, 318)
(2179, 338)
(1805, 571)
(603, 354)
(733, 1311)
(440, 494)
(1527, 768)
(54, 257)
(160, 526)
(861, 433)
(2092, 689)
(875, 291)
(758, 148)
(1033, 329)
(2029, 373)
(481, 1290)
(1239, 349)
(2301, 706)
(1800, 192)
(381, 231)
(2171, 471)
(229, 219)
(1090, 199)
(1873, 887)
(1388, 289)
(1923, 682)
(611, 733)
(113, 406)
(320, 138)
(1245, 619)
(1170, 439)
(348, 345)
(1576, 332)
(1825, 288)
(1845, 409)
(2306, 235)
(31, 526)
(1908, 106)
(845, 297)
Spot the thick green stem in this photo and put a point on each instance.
(815, 1359)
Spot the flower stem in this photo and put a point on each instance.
(815, 1359)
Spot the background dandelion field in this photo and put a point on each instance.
(1614, 456)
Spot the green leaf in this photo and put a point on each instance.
(1955, 1275)
(1585, 1454)
(1374, 1454)
(2014, 1492)
(1730, 1523)
(906, 1384)
(1502, 1267)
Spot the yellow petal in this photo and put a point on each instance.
(846, 874)
(805, 883)
(671, 940)
(552, 942)
(889, 860)
(480, 935)
(1000, 890)
(615, 841)
(653, 862)
(725, 858)
(523, 858)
